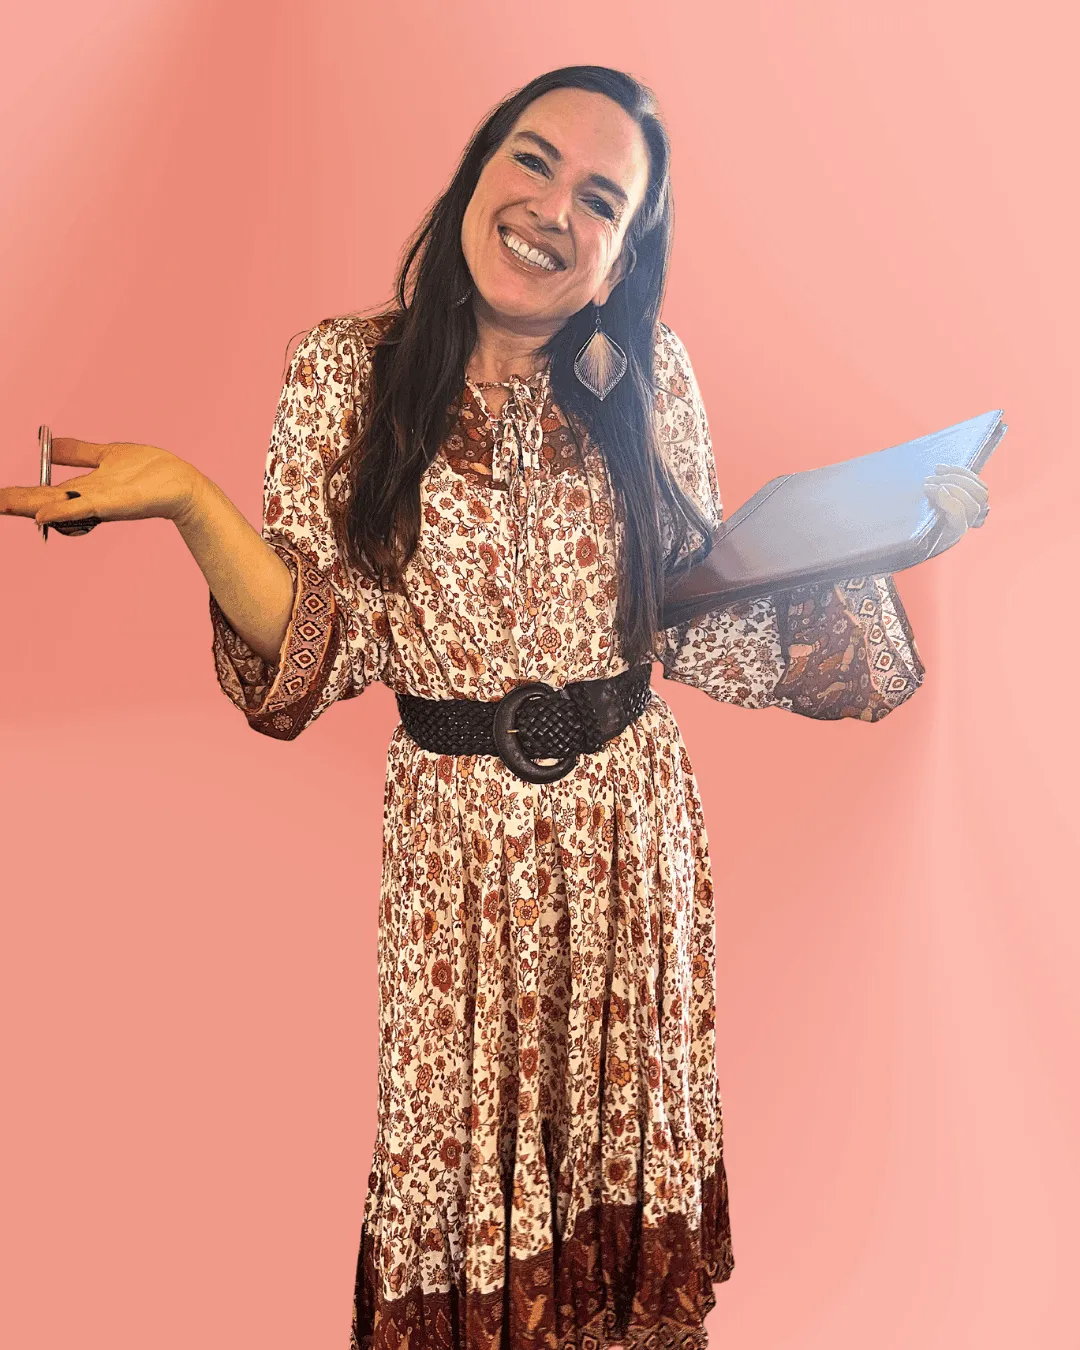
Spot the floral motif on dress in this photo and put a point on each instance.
(549, 1149)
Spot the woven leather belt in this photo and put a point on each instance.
(533, 721)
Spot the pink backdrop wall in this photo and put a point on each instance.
(876, 234)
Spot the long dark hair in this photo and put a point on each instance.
(419, 375)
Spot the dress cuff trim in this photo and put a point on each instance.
(278, 698)
(848, 650)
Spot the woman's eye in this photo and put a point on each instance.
(597, 203)
(602, 206)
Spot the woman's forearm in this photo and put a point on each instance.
(247, 578)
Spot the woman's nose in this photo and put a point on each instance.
(550, 208)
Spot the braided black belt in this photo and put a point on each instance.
(533, 721)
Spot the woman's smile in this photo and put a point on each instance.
(528, 256)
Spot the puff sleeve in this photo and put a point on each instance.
(337, 640)
(825, 651)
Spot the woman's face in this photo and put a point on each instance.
(566, 181)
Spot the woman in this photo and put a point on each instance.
(458, 504)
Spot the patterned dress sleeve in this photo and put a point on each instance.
(338, 635)
(827, 651)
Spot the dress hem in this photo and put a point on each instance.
(613, 1282)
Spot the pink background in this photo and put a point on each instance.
(876, 237)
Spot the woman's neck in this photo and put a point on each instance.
(502, 351)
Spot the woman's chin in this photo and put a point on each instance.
(517, 302)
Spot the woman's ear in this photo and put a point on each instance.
(620, 270)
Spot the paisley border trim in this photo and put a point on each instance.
(614, 1280)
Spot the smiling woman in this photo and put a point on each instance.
(474, 500)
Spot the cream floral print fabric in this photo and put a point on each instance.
(548, 1169)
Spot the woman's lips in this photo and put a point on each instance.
(503, 231)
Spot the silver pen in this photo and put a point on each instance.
(45, 442)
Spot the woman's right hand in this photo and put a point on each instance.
(249, 580)
(125, 482)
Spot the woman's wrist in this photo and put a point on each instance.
(252, 585)
(191, 495)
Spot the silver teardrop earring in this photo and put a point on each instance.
(601, 363)
(465, 297)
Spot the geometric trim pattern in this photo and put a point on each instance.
(848, 653)
(278, 700)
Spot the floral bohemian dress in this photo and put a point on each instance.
(548, 1168)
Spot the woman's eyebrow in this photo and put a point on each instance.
(554, 153)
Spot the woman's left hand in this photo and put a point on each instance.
(960, 499)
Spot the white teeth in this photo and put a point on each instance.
(531, 255)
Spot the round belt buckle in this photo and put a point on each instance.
(503, 732)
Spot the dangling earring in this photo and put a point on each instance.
(465, 297)
(601, 363)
